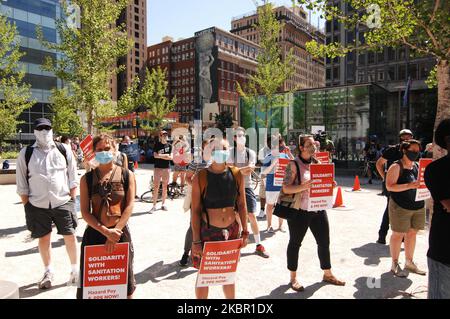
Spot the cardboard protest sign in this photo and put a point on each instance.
(87, 147)
(219, 263)
(422, 192)
(323, 157)
(105, 275)
(321, 191)
(131, 150)
(283, 162)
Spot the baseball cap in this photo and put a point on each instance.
(42, 122)
(163, 133)
(405, 131)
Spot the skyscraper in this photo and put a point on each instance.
(27, 15)
(309, 72)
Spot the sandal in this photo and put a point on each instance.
(333, 280)
(296, 286)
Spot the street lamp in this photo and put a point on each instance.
(20, 138)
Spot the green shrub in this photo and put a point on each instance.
(9, 155)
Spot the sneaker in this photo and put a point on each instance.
(152, 210)
(46, 281)
(261, 214)
(184, 260)
(412, 267)
(73, 280)
(397, 270)
(164, 208)
(270, 230)
(261, 251)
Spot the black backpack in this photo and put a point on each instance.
(29, 152)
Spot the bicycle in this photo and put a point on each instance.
(173, 192)
(368, 167)
(255, 179)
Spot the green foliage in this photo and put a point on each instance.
(89, 55)
(421, 25)
(152, 97)
(15, 96)
(432, 78)
(65, 119)
(272, 71)
(9, 155)
(224, 120)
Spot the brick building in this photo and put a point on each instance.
(309, 71)
(202, 72)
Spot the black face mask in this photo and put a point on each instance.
(412, 156)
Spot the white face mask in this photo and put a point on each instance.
(44, 137)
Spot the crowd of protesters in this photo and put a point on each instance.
(219, 195)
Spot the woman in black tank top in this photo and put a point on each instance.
(218, 193)
(406, 215)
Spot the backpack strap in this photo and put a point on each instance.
(125, 180)
(28, 153)
(63, 151)
(89, 180)
(203, 183)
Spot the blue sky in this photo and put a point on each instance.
(182, 18)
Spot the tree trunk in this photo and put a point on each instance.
(90, 120)
(443, 104)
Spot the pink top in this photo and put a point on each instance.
(305, 176)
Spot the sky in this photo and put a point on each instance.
(182, 18)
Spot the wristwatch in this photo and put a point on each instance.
(245, 232)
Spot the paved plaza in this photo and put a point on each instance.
(159, 238)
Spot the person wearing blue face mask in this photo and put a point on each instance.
(106, 202)
(406, 215)
(218, 193)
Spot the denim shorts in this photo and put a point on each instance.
(250, 197)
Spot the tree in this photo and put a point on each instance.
(422, 26)
(224, 120)
(272, 70)
(14, 94)
(151, 97)
(65, 119)
(89, 55)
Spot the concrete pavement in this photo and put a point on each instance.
(159, 238)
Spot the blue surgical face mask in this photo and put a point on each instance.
(104, 157)
(221, 156)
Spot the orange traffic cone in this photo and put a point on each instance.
(356, 185)
(339, 201)
(135, 165)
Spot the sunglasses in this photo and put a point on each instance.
(43, 127)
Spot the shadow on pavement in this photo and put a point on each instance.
(140, 214)
(9, 231)
(386, 287)
(32, 290)
(282, 292)
(159, 270)
(372, 252)
(35, 250)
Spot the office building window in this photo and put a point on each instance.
(380, 56)
(424, 71)
(391, 54)
(412, 71)
(136, 18)
(401, 72)
(391, 73)
(371, 57)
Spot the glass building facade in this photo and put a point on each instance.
(349, 114)
(27, 15)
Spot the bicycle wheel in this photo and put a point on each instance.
(255, 180)
(147, 197)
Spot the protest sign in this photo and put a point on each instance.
(86, 146)
(322, 157)
(422, 192)
(321, 191)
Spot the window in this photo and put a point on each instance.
(371, 57)
(136, 18)
(380, 56)
(136, 10)
(336, 73)
(136, 34)
(424, 71)
(402, 54)
(401, 72)
(412, 71)
(380, 75)
(362, 59)
(136, 46)
(136, 2)
(391, 54)
(391, 73)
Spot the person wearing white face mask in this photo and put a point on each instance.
(46, 183)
